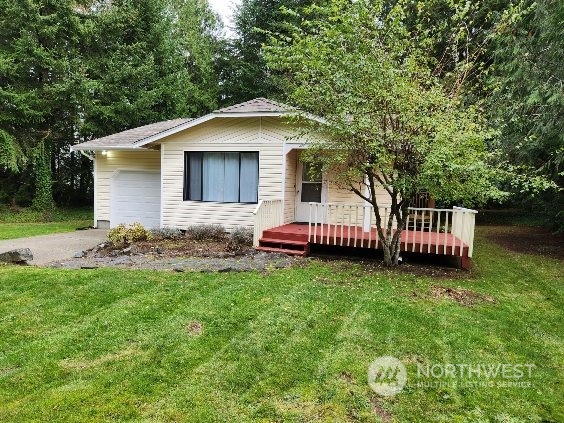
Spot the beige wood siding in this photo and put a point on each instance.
(265, 135)
(342, 196)
(107, 165)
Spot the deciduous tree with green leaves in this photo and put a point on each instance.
(387, 121)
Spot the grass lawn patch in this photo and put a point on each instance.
(21, 223)
(289, 345)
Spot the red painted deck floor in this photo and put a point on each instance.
(294, 237)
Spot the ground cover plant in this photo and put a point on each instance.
(23, 222)
(288, 345)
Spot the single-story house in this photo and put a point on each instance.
(241, 166)
(211, 170)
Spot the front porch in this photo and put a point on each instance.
(448, 232)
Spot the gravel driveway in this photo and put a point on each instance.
(56, 247)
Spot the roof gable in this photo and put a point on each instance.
(136, 138)
(258, 105)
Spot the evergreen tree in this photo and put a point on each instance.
(40, 71)
(245, 74)
(527, 104)
(73, 70)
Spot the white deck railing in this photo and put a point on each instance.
(268, 214)
(340, 221)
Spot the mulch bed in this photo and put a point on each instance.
(523, 239)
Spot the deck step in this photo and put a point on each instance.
(266, 240)
(283, 251)
(285, 235)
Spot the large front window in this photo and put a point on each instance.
(226, 177)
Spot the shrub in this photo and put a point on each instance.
(166, 233)
(206, 232)
(123, 235)
(240, 239)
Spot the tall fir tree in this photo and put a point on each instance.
(245, 73)
(73, 70)
(40, 72)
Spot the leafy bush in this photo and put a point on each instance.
(166, 233)
(206, 232)
(240, 239)
(123, 235)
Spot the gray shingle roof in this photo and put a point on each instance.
(131, 136)
(258, 105)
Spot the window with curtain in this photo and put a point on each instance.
(226, 177)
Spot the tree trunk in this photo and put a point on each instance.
(390, 238)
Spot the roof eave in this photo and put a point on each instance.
(78, 147)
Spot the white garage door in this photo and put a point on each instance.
(136, 197)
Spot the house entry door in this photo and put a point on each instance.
(311, 187)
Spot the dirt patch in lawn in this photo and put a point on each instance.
(462, 296)
(523, 239)
(380, 411)
(194, 328)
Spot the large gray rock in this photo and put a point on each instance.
(18, 256)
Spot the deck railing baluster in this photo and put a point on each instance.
(309, 225)
(342, 222)
(430, 232)
(315, 207)
(414, 231)
(323, 214)
(406, 234)
(447, 230)
(438, 232)
(421, 230)
(362, 226)
(462, 235)
(355, 224)
(369, 226)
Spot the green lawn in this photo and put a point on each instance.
(26, 222)
(295, 345)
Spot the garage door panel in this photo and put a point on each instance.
(135, 197)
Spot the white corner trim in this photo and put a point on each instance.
(162, 194)
(95, 177)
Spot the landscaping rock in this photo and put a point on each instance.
(79, 254)
(178, 269)
(18, 256)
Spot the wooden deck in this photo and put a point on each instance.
(295, 238)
